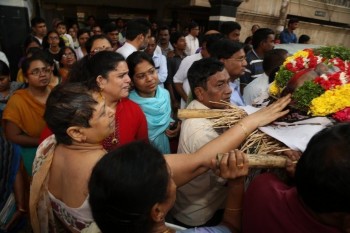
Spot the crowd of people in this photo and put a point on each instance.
(90, 139)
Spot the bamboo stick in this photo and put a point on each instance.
(200, 113)
(262, 161)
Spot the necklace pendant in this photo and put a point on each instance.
(114, 141)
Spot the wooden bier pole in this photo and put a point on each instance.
(200, 113)
(262, 161)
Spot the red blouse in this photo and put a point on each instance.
(131, 125)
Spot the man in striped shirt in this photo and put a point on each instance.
(263, 41)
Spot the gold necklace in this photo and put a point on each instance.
(168, 230)
(115, 139)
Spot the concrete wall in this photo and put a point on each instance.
(266, 15)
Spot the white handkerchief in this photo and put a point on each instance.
(295, 135)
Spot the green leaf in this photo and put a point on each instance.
(333, 51)
(283, 76)
(305, 94)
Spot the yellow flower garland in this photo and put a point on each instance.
(300, 53)
(274, 89)
(331, 101)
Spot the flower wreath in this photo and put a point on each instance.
(319, 81)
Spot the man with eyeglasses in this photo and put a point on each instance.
(159, 60)
(137, 35)
(231, 53)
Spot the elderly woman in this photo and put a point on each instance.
(80, 119)
(154, 100)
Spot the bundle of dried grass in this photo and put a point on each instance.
(256, 143)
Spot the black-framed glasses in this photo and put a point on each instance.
(239, 59)
(38, 71)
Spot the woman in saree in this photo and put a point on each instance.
(23, 115)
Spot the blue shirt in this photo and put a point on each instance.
(236, 97)
(287, 37)
(216, 229)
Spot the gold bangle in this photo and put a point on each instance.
(233, 210)
(243, 128)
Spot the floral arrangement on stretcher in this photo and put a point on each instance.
(319, 81)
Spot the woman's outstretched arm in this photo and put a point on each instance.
(185, 167)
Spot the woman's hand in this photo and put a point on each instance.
(173, 133)
(293, 157)
(270, 113)
(231, 165)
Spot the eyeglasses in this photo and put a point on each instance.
(142, 76)
(38, 71)
(68, 55)
(241, 59)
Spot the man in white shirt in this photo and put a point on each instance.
(199, 200)
(159, 61)
(137, 35)
(192, 43)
